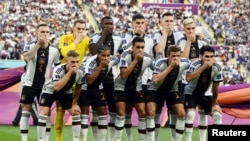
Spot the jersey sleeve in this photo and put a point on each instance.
(218, 77)
(57, 75)
(89, 66)
(123, 62)
(81, 79)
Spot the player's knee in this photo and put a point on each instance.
(190, 115)
(217, 117)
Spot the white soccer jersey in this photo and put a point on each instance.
(58, 73)
(127, 45)
(177, 36)
(53, 58)
(161, 65)
(117, 46)
(216, 76)
(125, 61)
(92, 65)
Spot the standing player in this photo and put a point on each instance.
(128, 86)
(138, 23)
(79, 42)
(166, 36)
(60, 88)
(109, 39)
(96, 69)
(167, 74)
(204, 76)
(162, 40)
(40, 57)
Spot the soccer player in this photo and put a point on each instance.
(166, 36)
(128, 86)
(203, 76)
(78, 41)
(162, 40)
(166, 76)
(60, 88)
(138, 24)
(93, 94)
(113, 41)
(40, 58)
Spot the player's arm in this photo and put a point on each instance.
(193, 73)
(65, 49)
(58, 85)
(91, 78)
(160, 47)
(76, 94)
(30, 54)
(215, 90)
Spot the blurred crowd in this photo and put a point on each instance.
(19, 19)
(228, 18)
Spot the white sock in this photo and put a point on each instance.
(217, 117)
(111, 127)
(202, 122)
(24, 125)
(180, 126)
(41, 128)
(172, 123)
(76, 127)
(119, 125)
(102, 127)
(94, 126)
(84, 126)
(142, 129)
(157, 125)
(48, 127)
(190, 115)
(150, 128)
(128, 128)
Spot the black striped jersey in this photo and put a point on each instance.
(116, 45)
(205, 80)
(170, 83)
(135, 77)
(127, 45)
(195, 46)
(39, 67)
(91, 66)
(173, 39)
(58, 73)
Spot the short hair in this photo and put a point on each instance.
(188, 21)
(41, 24)
(137, 16)
(79, 21)
(106, 18)
(137, 39)
(205, 48)
(103, 48)
(72, 53)
(167, 14)
(173, 48)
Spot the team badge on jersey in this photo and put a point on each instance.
(123, 62)
(124, 41)
(219, 77)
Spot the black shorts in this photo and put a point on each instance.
(150, 96)
(92, 97)
(64, 99)
(28, 94)
(171, 98)
(109, 91)
(205, 102)
(131, 97)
